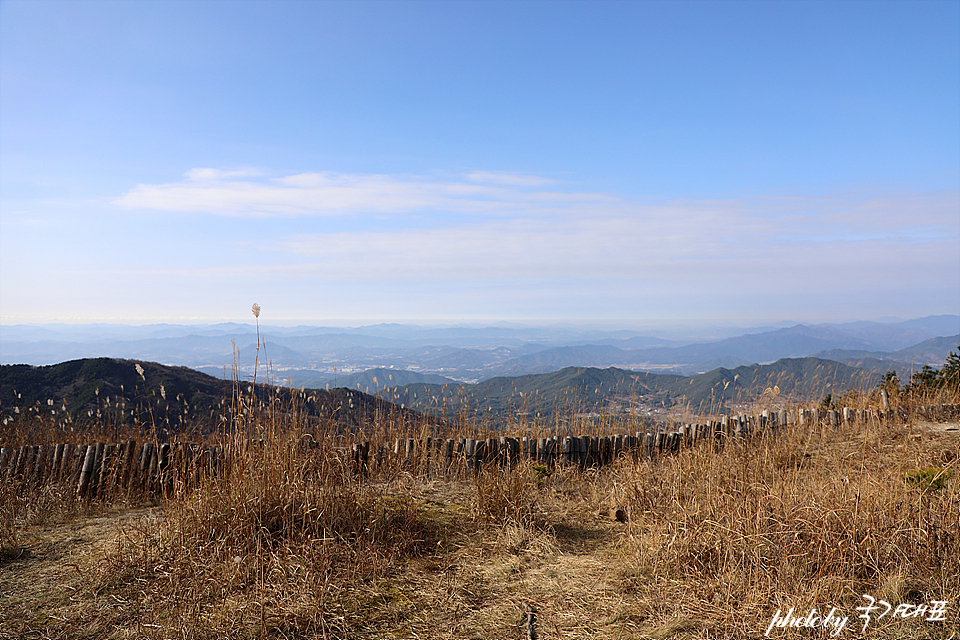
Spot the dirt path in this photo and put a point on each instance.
(42, 582)
(477, 588)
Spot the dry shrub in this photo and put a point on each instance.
(806, 519)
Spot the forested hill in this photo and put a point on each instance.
(587, 389)
(114, 390)
(182, 397)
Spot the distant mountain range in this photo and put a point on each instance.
(317, 356)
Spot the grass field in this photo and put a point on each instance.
(708, 543)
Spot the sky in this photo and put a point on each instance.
(615, 162)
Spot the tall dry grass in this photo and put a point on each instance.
(810, 518)
(279, 541)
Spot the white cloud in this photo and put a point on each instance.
(324, 194)
(202, 174)
(487, 228)
(705, 241)
(512, 179)
(495, 195)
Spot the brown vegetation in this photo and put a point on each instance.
(292, 542)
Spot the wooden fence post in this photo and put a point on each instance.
(470, 453)
(36, 474)
(22, 461)
(152, 482)
(76, 464)
(55, 464)
(87, 471)
(106, 462)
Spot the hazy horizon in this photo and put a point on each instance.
(357, 323)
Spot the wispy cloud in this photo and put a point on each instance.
(501, 195)
(501, 225)
(231, 193)
(512, 179)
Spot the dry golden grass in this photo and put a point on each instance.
(291, 543)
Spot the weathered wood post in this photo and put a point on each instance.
(23, 453)
(39, 465)
(66, 462)
(460, 455)
(675, 438)
(13, 463)
(449, 445)
(131, 473)
(25, 462)
(103, 477)
(491, 451)
(585, 451)
(87, 471)
(153, 469)
(29, 469)
(426, 446)
(470, 453)
(54, 473)
(163, 468)
(365, 456)
(480, 455)
(566, 450)
(94, 488)
(410, 452)
(143, 466)
(126, 470)
(76, 465)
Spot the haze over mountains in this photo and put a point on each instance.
(340, 356)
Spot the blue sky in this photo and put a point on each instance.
(630, 162)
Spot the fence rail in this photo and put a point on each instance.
(138, 468)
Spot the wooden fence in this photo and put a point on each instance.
(129, 468)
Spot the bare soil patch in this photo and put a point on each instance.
(45, 581)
